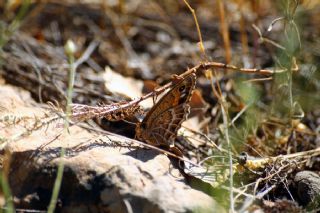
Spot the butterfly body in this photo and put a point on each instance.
(160, 126)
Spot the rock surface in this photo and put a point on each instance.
(308, 188)
(102, 173)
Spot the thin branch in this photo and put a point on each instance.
(86, 55)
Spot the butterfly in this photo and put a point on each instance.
(160, 125)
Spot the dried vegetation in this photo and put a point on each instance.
(260, 123)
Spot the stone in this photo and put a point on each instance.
(102, 172)
(307, 184)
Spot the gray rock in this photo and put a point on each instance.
(308, 188)
(102, 173)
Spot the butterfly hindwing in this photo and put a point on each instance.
(162, 122)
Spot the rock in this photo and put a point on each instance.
(102, 173)
(308, 188)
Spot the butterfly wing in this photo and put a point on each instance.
(162, 122)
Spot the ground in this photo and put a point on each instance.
(254, 112)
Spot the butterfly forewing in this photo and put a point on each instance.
(162, 122)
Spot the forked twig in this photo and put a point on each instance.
(262, 162)
(119, 111)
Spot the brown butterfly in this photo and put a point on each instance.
(160, 126)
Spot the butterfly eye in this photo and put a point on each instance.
(181, 89)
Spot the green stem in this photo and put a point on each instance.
(57, 183)
(226, 134)
(7, 193)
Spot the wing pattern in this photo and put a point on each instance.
(162, 122)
